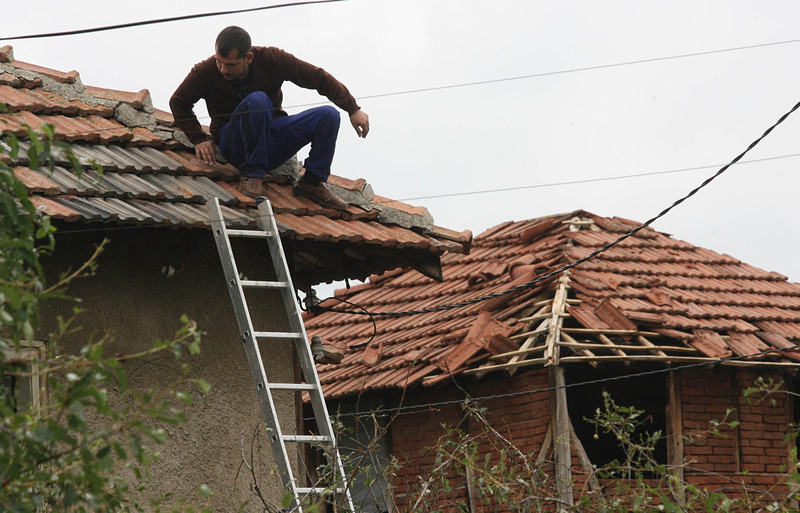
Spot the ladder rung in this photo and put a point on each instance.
(306, 438)
(291, 386)
(278, 334)
(306, 491)
(265, 284)
(249, 233)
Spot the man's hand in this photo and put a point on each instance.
(206, 152)
(360, 122)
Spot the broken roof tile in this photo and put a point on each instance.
(710, 344)
(656, 289)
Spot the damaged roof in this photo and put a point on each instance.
(151, 178)
(650, 297)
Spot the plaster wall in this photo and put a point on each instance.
(146, 279)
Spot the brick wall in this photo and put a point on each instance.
(413, 442)
(755, 453)
(764, 424)
(521, 420)
(707, 395)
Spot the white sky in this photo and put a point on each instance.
(561, 127)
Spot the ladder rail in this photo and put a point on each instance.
(296, 324)
(309, 368)
(263, 391)
(250, 336)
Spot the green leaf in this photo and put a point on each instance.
(157, 434)
(41, 434)
(202, 384)
(13, 144)
(95, 352)
(119, 450)
(104, 451)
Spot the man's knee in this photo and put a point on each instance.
(330, 116)
(258, 100)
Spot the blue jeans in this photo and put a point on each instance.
(255, 142)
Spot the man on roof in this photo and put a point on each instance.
(241, 85)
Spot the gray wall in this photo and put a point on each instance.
(134, 300)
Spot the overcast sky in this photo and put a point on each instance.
(611, 88)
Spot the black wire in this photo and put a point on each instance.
(488, 191)
(590, 180)
(371, 317)
(622, 377)
(590, 255)
(411, 91)
(165, 20)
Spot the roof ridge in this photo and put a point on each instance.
(130, 109)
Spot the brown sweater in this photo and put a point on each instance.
(270, 68)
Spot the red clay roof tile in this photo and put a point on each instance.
(136, 100)
(121, 131)
(59, 76)
(55, 210)
(657, 290)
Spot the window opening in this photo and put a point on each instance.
(647, 393)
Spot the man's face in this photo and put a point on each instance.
(232, 66)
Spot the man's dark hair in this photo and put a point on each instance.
(231, 38)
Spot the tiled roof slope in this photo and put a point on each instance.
(650, 297)
(152, 178)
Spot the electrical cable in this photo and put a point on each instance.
(165, 20)
(436, 88)
(422, 407)
(491, 191)
(590, 180)
(591, 255)
(456, 194)
(371, 318)
(563, 72)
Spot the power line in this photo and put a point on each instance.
(165, 20)
(549, 73)
(621, 377)
(490, 191)
(579, 261)
(592, 180)
(565, 71)
(408, 91)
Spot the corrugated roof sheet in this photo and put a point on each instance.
(652, 296)
(151, 178)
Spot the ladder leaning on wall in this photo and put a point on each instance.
(268, 231)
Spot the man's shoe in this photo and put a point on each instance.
(252, 187)
(321, 195)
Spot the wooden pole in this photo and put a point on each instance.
(562, 448)
(675, 434)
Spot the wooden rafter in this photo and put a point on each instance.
(558, 310)
(531, 336)
(582, 349)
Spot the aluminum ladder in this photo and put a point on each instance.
(264, 389)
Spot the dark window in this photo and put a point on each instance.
(647, 393)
